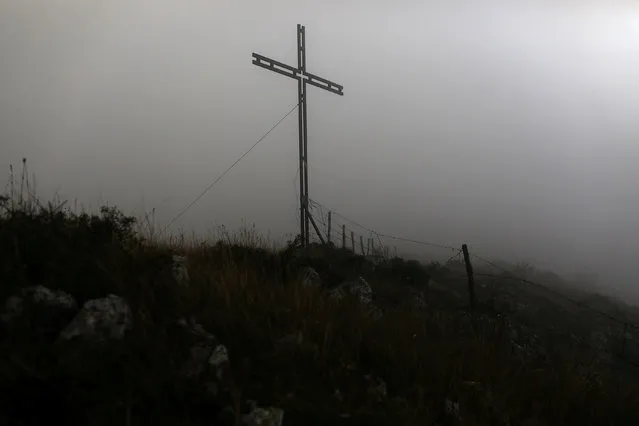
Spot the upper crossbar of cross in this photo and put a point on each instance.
(289, 71)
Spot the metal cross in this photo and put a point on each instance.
(303, 78)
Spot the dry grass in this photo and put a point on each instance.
(295, 348)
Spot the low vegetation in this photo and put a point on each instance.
(323, 362)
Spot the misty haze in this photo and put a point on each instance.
(509, 127)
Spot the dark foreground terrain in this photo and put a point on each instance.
(100, 327)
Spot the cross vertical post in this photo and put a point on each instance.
(303, 78)
(301, 93)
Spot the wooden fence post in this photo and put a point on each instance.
(368, 246)
(361, 243)
(471, 278)
(330, 217)
(343, 236)
(353, 240)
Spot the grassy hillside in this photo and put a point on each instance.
(322, 361)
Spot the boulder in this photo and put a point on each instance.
(38, 296)
(100, 319)
(38, 310)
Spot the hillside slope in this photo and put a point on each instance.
(98, 329)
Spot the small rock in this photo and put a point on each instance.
(206, 352)
(419, 301)
(310, 278)
(377, 388)
(57, 298)
(196, 363)
(452, 408)
(359, 288)
(218, 359)
(336, 294)
(264, 417)
(362, 290)
(180, 270)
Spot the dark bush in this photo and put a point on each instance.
(62, 250)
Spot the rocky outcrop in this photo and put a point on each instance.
(86, 338)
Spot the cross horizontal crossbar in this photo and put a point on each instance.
(289, 71)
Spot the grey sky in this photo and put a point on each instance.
(511, 127)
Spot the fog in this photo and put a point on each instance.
(511, 126)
